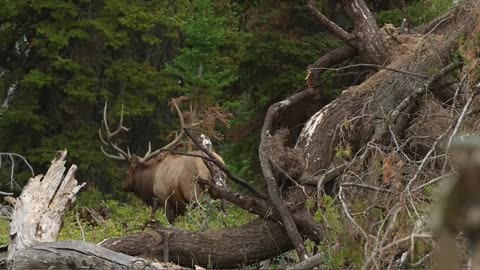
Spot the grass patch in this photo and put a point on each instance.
(129, 217)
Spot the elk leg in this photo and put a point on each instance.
(155, 206)
(170, 213)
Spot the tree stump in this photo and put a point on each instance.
(40, 208)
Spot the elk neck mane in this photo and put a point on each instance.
(143, 180)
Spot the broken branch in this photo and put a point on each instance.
(273, 190)
(222, 167)
(331, 26)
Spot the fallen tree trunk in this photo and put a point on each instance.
(423, 96)
(415, 99)
(79, 255)
(367, 107)
(228, 248)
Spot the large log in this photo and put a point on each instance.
(79, 255)
(228, 248)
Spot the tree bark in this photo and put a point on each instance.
(273, 189)
(372, 46)
(40, 208)
(79, 255)
(228, 248)
(367, 37)
(370, 102)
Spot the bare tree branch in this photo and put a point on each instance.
(309, 263)
(332, 27)
(420, 91)
(374, 66)
(222, 167)
(273, 190)
(12, 164)
(367, 187)
(330, 59)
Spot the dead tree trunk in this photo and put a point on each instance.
(412, 102)
(393, 126)
(225, 249)
(39, 210)
(79, 255)
(413, 60)
(372, 45)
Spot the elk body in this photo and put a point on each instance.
(161, 178)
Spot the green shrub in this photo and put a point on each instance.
(209, 216)
(417, 12)
(339, 247)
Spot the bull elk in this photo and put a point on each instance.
(160, 178)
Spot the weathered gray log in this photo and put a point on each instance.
(39, 210)
(309, 263)
(79, 255)
(3, 256)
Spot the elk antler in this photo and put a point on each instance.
(178, 137)
(121, 154)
